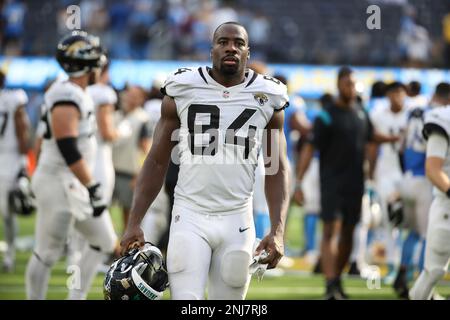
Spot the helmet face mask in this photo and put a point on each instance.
(139, 275)
(79, 53)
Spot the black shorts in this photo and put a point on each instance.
(347, 207)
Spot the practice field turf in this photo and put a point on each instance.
(293, 283)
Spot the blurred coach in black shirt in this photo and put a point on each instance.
(340, 134)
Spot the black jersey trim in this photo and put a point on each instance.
(252, 79)
(164, 92)
(202, 75)
(429, 128)
(283, 107)
(65, 103)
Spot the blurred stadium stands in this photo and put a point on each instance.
(288, 31)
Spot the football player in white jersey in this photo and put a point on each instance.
(217, 111)
(105, 99)
(388, 170)
(416, 189)
(67, 194)
(14, 136)
(437, 166)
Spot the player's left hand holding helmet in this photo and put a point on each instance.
(139, 275)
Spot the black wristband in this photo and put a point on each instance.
(69, 150)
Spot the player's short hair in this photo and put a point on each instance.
(226, 23)
(2, 79)
(414, 88)
(326, 100)
(394, 86)
(378, 89)
(282, 78)
(443, 90)
(344, 72)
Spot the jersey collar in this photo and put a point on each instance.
(250, 76)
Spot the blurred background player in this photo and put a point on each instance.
(105, 100)
(416, 189)
(388, 174)
(415, 98)
(14, 146)
(154, 99)
(437, 166)
(129, 151)
(67, 194)
(378, 97)
(310, 185)
(342, 156)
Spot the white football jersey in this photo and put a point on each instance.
(70, 93)
(419, 101)
(101, 94)
(220, 136)
(10, 157)
(153, 109)
(389, 123)
(438, 120)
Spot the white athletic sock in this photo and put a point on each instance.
(88, 267)
(10, 235)
(37, 276)
(423, 287)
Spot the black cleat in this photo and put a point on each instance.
(334, 294)
(340, 292)
(334, 290)
(331, 296)
(317, 268)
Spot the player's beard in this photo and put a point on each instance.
(229, 70)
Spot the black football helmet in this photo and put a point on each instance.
(20, 198)
(139, 275)
(79, 52)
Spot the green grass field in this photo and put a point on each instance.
(293, 284)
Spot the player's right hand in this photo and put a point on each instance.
(273, 245)
(132, 238)
(299, 197)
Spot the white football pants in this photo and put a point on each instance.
(437, 250)
(217, 249)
